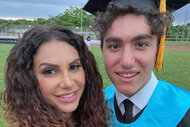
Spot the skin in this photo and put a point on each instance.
(60, 74)
(129, 51)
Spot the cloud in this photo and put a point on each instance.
(182, 15)
(36, 8)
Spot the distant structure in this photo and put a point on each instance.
(88, 42)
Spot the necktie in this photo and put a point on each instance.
(127, 117)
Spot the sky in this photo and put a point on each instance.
(32, 9)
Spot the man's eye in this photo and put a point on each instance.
(141, 44)
(48, 72)
(114, 46)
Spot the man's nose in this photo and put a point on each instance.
(127, 58)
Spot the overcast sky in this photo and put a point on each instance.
(32, 9)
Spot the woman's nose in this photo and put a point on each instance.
(66, 81)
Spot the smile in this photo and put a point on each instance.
(68, 95)
(128, 75)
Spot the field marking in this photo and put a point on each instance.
(177, 47)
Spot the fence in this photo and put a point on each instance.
(183, 40)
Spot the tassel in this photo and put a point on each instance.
(160, 54)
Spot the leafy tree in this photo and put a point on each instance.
(2, 21)
(39, 21)
(72, 17)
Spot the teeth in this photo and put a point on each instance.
(128, 75)
(69, 95)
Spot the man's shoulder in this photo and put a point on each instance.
(109, 91)
(175, 89)
(173, 96)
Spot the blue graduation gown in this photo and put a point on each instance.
(166, 107)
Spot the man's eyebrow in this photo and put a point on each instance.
(142, 36)
(112, 39)
(48, 64)
(74, 61)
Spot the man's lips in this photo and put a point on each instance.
(128, 75)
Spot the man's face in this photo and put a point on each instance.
(129, 50)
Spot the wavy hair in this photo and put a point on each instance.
(24, 104)
(156, 20)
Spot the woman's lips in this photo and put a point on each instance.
(67, 98)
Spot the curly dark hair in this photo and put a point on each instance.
(24, 104)
(104, 20)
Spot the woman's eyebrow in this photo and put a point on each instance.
(48, 64)
(74, 61)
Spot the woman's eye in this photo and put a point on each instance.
(48, 72)
(74, 67)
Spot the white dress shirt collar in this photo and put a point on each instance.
(141, 98)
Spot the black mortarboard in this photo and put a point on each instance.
(92, 6)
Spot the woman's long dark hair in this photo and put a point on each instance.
(24, 104)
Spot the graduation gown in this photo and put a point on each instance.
(168, 107)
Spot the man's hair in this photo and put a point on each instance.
(104, 20)
(23, 102)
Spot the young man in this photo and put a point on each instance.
(130, 38)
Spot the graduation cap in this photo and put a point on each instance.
(94, 6)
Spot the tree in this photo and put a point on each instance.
(72, 17)
(39, 21)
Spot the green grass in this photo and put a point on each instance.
(4, 51)
(100, 62)
(176, 67)
(182, 44)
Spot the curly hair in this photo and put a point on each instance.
(104, 20)
(24, 104)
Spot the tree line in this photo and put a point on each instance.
(179, 31)
(73, 16)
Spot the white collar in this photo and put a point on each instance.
(141, 98)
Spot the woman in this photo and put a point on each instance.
(52, 80)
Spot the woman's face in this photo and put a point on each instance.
(60, 74)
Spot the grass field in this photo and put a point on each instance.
(4, 51)
(176, 67)
(183, 44)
